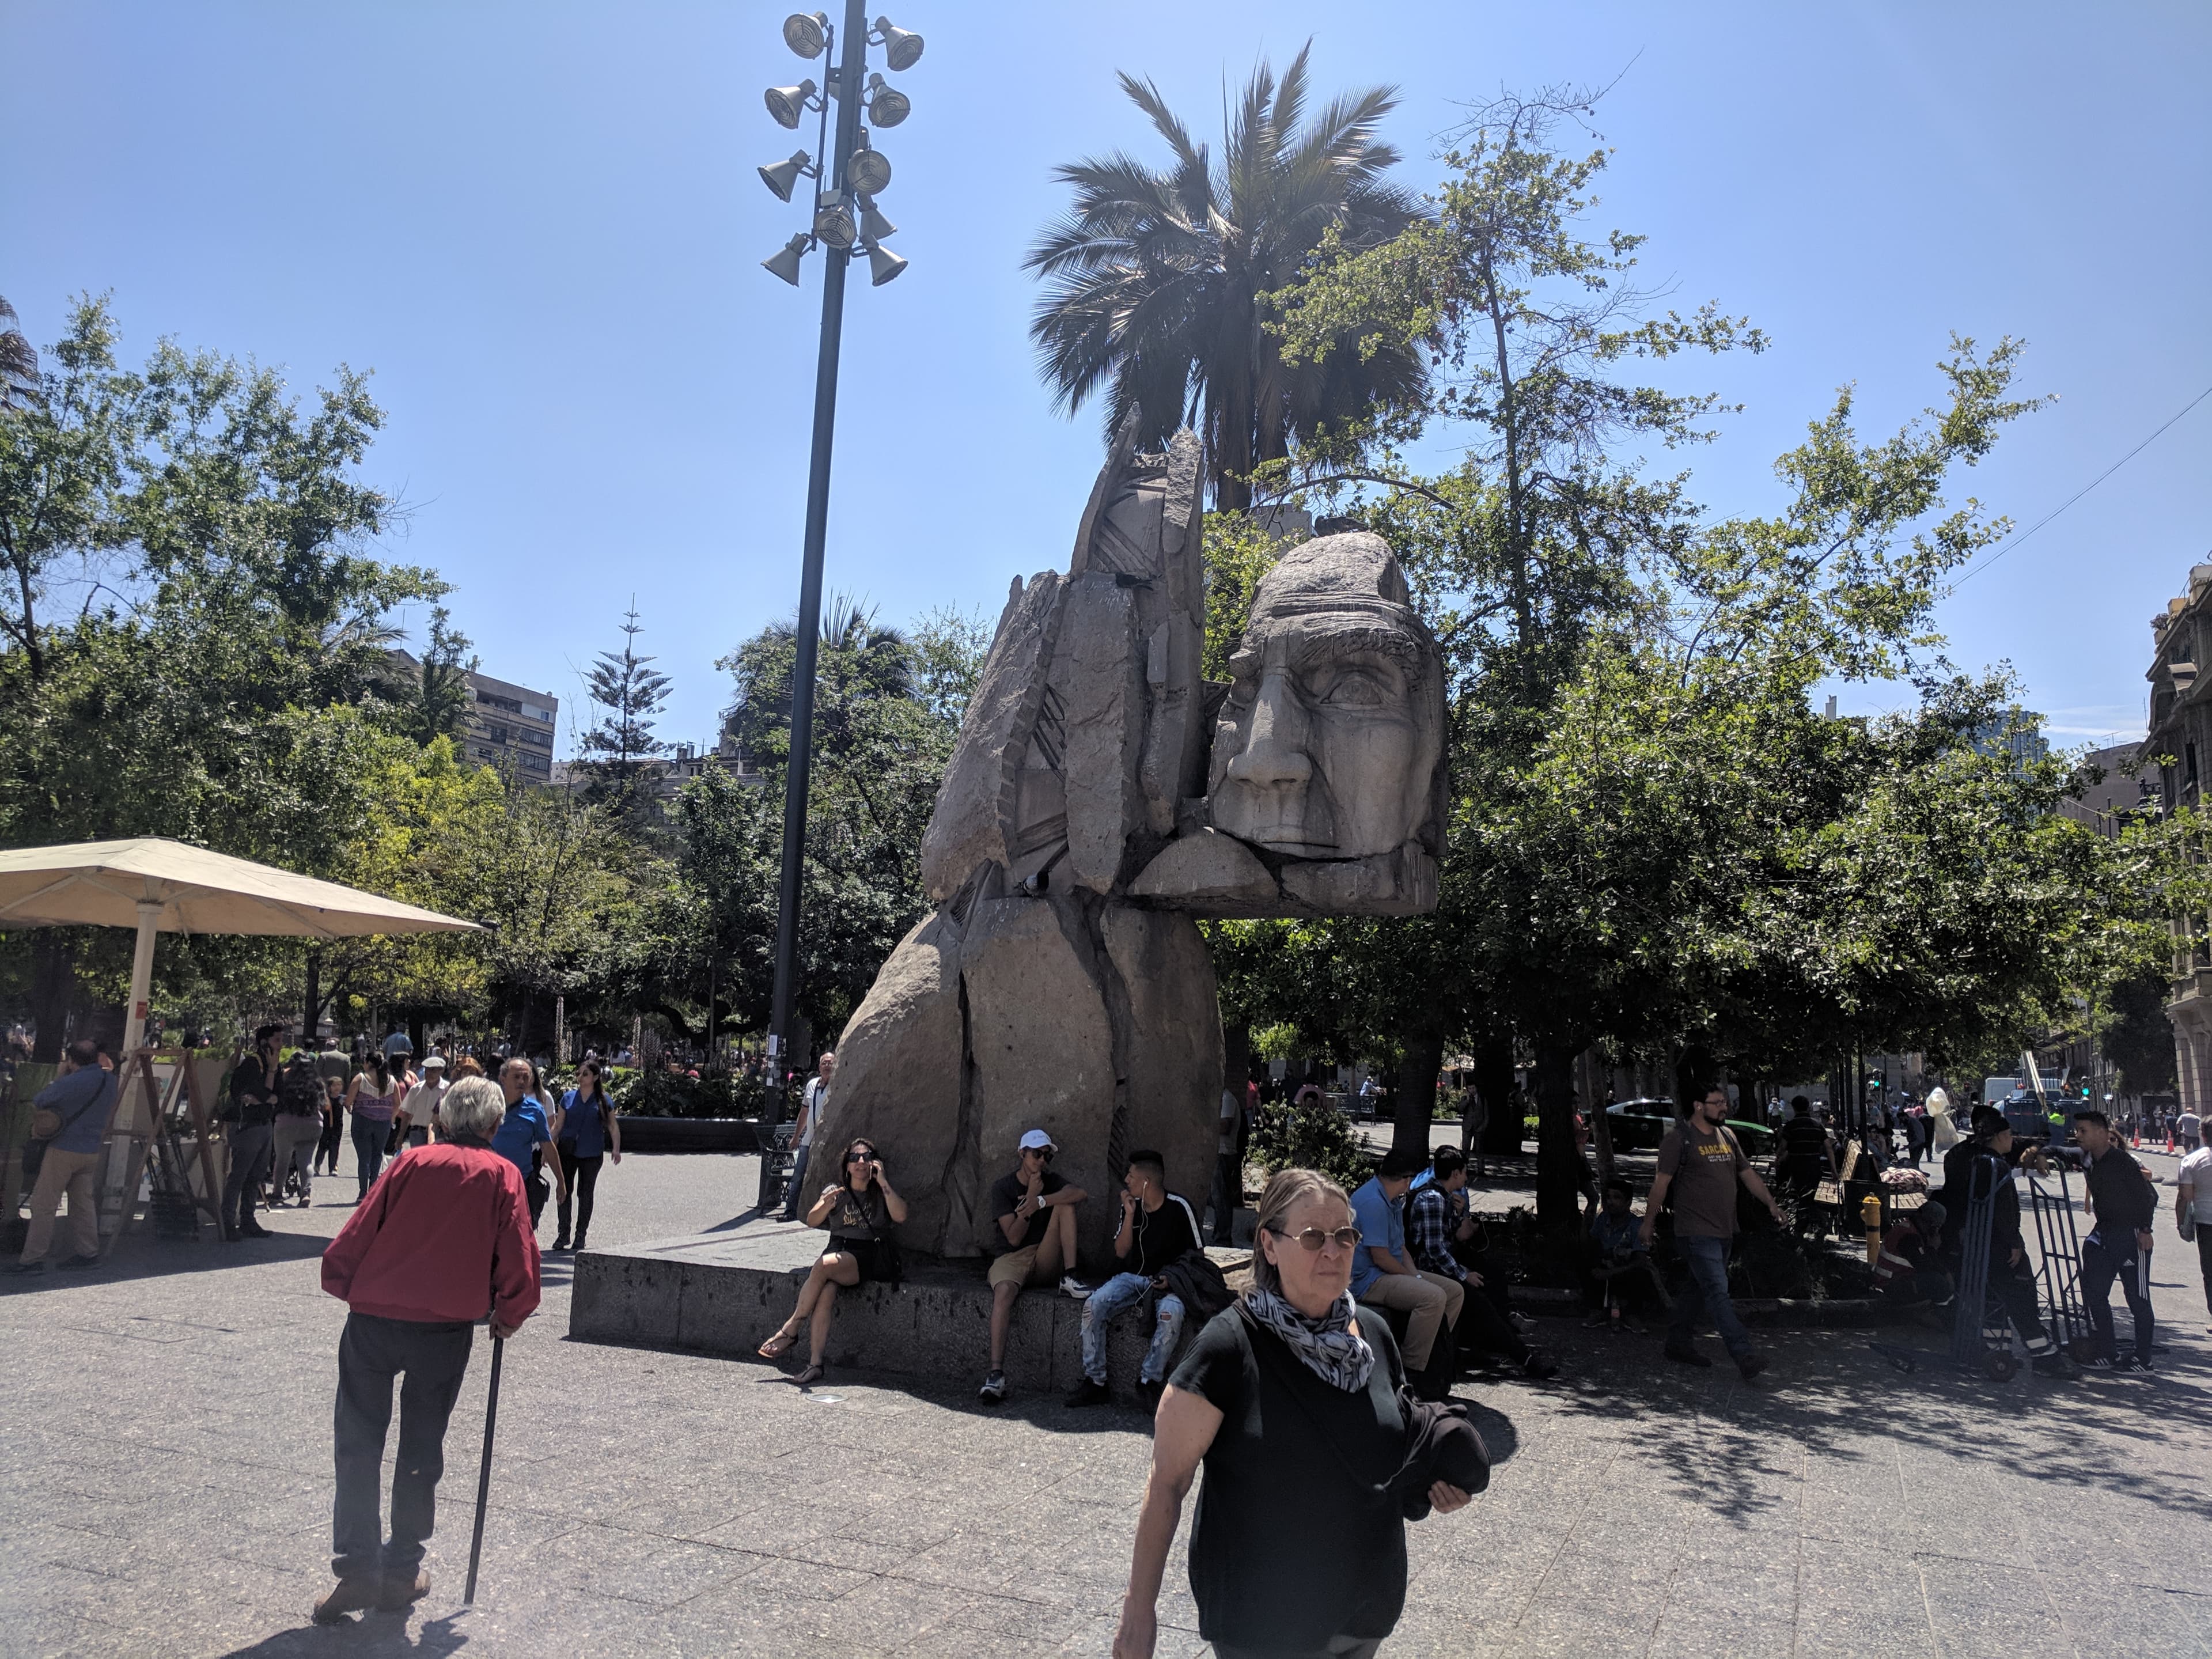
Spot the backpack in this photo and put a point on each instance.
(300, 1089)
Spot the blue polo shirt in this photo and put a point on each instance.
(523, 1127)
(1381, 1221)
(86, 1099)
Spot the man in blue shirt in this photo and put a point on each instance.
(83, 1095)
(522, 1132)
(1383, 1274)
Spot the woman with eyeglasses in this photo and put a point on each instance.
(1291, 1400)
(859, 1211)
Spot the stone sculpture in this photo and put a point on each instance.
(1101, 795)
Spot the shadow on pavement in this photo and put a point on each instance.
(152, 1258)
(370, 1635)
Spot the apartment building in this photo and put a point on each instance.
(2174, 755)
(507, 725)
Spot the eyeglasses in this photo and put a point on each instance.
(1312, 1238)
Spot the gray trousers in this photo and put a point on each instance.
(249, 1167)
(372, 1352)
(294, 1141)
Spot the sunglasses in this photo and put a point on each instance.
(858, 1158)
(1312, 1238)
(1042, 1154)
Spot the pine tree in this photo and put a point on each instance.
(631, 694)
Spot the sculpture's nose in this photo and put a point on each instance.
(1274, 756)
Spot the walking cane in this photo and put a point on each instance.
(483, 1473)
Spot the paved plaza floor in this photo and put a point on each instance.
(165, 1471)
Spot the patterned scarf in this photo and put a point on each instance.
(1331, 1347)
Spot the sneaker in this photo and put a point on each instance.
(399, 1593)
(994, 1388)
(2099, 1362)
(1149, 1393)
(1523, 1323)
(1539, 1366)
(1688, 1357)
(1751, 1365)
(562, 1243)
(38, 1266)
(1075, 1289)
(1597, 1321)
(2127, 1361)
(2051, 1364)
(349, 1595)
(253, 1230)
(304, 1202)
(79, 1262)
(1088, 1393)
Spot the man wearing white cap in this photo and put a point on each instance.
(1032, 1238)
(421, 1105)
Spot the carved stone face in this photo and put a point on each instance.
(1328, 743)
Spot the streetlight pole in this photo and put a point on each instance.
(838, 186)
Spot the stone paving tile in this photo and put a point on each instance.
(658, 1503)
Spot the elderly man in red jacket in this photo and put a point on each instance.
(442, 1239)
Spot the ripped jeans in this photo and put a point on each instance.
(1117, 1295)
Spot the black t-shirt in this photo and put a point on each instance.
(1162, 1236)
(1808, 1147)
(1288, 1447)
(253, 1092)
(1007, 1193)
(2120, 1197)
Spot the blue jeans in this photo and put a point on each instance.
(370, 1135)
(2107, 1255)
(1117, 1296)
(1706, 1293)
(792, 1189)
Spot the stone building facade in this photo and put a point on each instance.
(2174, 757)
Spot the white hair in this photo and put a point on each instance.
(474, 1107)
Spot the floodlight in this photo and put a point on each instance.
(873, 226)
(788, 104)
(902, 47)
(887, 104)
(783, 177)
(786, 263)
(883, 265)
(869, 172)
(833, 224)
(806, 33)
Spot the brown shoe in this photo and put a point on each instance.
(400, 1593)
(349, 1595)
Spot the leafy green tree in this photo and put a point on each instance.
(1157, 281)
(432, 702)
(632, 693)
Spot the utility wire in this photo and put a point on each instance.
(2011, 542)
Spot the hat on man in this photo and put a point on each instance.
(1036, 1141)
(434, 1063)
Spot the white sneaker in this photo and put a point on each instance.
(994, 1389)
(1523, 1323)
(1074, 1288)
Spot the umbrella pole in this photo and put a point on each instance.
(141, 975)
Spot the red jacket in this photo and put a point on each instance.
(445, 1233)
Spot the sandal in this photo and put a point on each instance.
(778, 1345)
(812, 1375)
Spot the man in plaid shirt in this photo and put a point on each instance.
(1437, 1216)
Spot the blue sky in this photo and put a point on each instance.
(540, 226)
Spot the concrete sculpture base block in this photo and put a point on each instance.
(723, 1293)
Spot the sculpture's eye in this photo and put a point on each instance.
(1357, 690)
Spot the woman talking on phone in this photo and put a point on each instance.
(859, 1211)
(1315, 1454)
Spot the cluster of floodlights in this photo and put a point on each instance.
(867, 172)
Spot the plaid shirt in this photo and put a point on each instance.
(1431, 1216)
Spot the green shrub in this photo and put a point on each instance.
(672, 1094)
(1314, 1136)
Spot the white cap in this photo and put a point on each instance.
(434, 1060)
(1038, 1141)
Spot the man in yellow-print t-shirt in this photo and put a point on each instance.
(1700, 1162)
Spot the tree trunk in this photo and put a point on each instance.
(714, 1047)
(1416, 1096)
(1593, 1103)
(311, 1003)
(1493, 1081)
(53, 993)
(1559, 1193)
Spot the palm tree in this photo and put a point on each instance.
(19, 362)
(1158, 281)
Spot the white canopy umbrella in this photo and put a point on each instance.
(158, 885)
